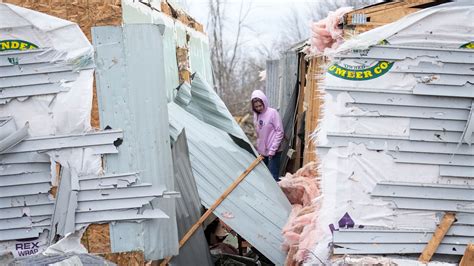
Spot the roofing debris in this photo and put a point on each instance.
(257, 209)
(395, 138)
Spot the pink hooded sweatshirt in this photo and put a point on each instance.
(268, 126)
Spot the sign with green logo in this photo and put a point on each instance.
(6, 45)
(469, 45)
(360, 72)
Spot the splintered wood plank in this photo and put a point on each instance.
(315, 74)
(440, 232)
(468, 258)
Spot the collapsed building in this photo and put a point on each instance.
(166, 145)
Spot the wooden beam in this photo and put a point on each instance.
(468, 258)
(315, 73)
(299, 113)
(219, 200)
(432, 246)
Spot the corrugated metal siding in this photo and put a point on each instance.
(257, 209)
(175, 34)
(289, 76)
(131, 82)
(188, 208)
(272, 83)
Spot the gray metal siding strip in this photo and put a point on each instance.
(41, 68)
(25, 179)
(433, 205)
(461, 193)
(142, 190)
(393, 237)
(29, 57)
(24, 157)
(60, 77)
(113, 204)
(394, 99)
(374, 142)
(21, 233)
(456, 171)
(119, 215)
(23, 190)
(24, 222)
(438, 136)
(445, 90)
(27, 200)
(431, 124)
(32, 90)
(449, 249)
(17, 212)
(435, 159)
(67, 141)
(431, 68)
(392, 52)
(411, 111)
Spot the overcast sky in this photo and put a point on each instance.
(266, 20)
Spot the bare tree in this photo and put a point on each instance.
(235, 75)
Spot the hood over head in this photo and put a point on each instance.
(260, 95)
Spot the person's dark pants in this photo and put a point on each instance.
(273, 165)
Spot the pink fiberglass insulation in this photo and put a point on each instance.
(326, 33)
(301, 188)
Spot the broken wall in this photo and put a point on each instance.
(397, 118)
(86, 14)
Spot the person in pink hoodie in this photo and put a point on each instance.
(269, 130)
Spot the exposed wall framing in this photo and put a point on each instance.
(313, 99)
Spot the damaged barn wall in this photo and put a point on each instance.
(392, 114)
(131, 82)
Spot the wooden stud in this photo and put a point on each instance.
(440, 232)
(468, 258)
(219, 200)
(315, 73)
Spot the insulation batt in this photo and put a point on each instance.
(326, 33)
(302, 190)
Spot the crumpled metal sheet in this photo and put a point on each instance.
(188, 208)
(257, 209)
